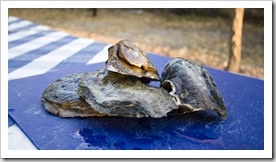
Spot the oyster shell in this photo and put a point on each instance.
(120, 89)
(60, 98)
(120, 95)
(192, 87)
(127, 59)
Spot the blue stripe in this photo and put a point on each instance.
(16, 21)
(11, 32)
(26, 39)
(81, 57)
(28, 27)
(28, 57)
(25, 27)
(10, 121)
(42, 31)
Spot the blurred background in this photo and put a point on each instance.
(201, 35)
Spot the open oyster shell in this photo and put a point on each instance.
(60, 98)
(192, 87)
(127, 59)
(120, 95)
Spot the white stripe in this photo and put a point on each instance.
(25, 33)
(20, 24)
(101, 56)
(44, 63)
(18, 140)
(20, 35)
(34, 44)
(12, 19)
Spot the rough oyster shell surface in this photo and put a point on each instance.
(192, 87)
(60, 98)
(127, 59)
(120, 89)
(119, 95)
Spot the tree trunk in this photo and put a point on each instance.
(236, 41)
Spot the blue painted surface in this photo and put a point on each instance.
(243, 129)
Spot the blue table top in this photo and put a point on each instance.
(30, 74)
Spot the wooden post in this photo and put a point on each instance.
(94, 12)
(236, 41)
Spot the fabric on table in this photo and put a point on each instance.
(38, 56)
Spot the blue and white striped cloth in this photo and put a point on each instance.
(34, 49)
(37, 52)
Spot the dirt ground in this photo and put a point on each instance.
(205, 40)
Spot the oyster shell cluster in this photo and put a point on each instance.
(122, 89)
